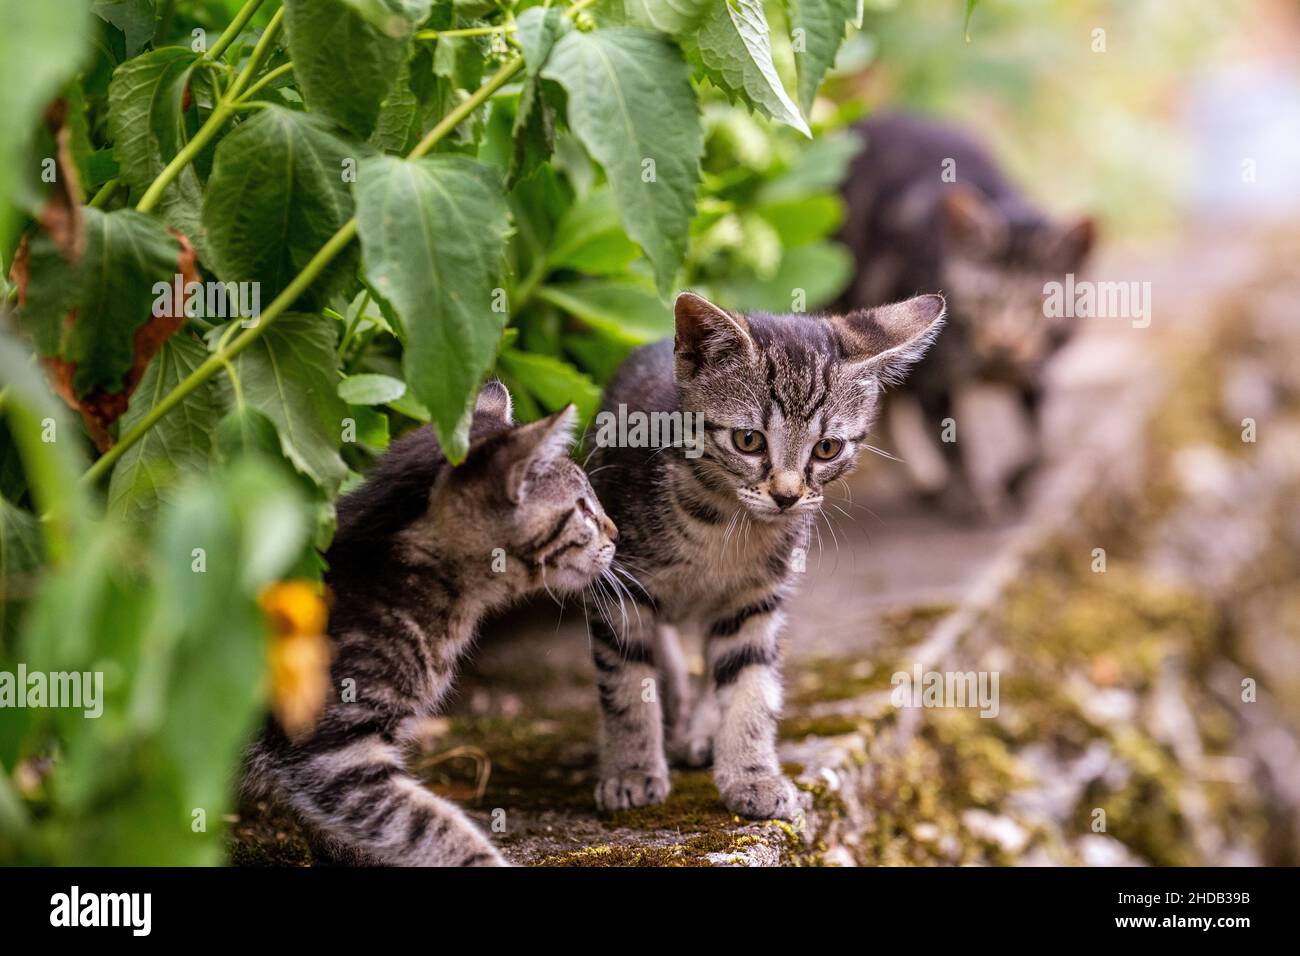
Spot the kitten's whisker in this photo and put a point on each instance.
(881, 452)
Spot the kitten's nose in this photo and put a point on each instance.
(784, 501)
(610, 529)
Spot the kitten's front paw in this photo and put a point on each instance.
(631, 789)
(762, 798)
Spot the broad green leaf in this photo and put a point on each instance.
(251, 527)
(345, 64)
(371, 389)
(598, 354)
(590, 239)
(553, 382)
(290, 374)
(112, 290)
(276, 194)
(802, 220)
(623, 310)
(534, 129)
(820, 168)
(432, 238)
(631, 103)
(245, 432)
(179, 444)
(823, 23)
(667, 16)
(146, 118)
(41, 45)
(735, 48)
(20, 555)
(135, 18)
(394, 19)
(817, 272)
(970, 8)
(398, 127)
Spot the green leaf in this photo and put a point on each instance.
(179, 444)
(624, 310)
(135, 18)
(41, 45)
(632, 106)
(820, 270)
(345, 64)
(823, 23)
(534, 129)
(970, 8)
(290, 374)
(667, 16)
(20, 554)
(276, 194)
(820, 168)
(802, 220)
(111, 287)
(146, 118)
(553, 382)
(432, 238)
(590, 239)
(734, 47)
(371, 389)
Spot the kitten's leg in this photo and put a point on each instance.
(743, 658)
(674, 686)
(696, 749)
(360, 795)
(633, 770)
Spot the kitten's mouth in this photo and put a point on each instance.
(764, 508)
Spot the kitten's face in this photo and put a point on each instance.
(788, 400)
(994, 270)
(526, 509)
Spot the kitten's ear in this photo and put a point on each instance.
(889, 338)
(706, 332)
(1067, 248)
(535, 443)
(972, 222)
(494, 403)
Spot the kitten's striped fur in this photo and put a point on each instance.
(711, 538)
(411, 571)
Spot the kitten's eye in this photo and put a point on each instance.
(827, 448)
(749, 441)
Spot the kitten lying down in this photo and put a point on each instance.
(787, 402)
(412, 572)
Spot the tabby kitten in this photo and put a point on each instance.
(786, 402)
(412, 570)
(928, 208)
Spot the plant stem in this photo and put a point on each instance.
(236, 27)
(332, 248)
(259, 54)
(105, 193)
(265, 81)
(216, 119)
(465, 32)
(480, 96)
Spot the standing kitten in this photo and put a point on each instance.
(928, 208)
(786, 402)
(412, 572)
